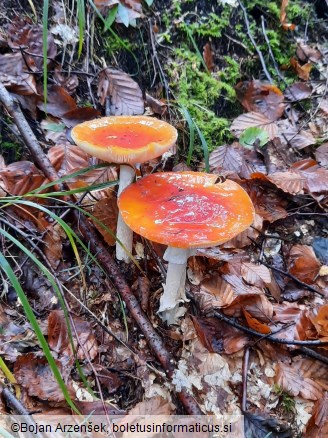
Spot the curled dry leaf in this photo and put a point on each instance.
(208, 57)
(302, 71)
(69, 83)
(303, 263)
(215, 292)
(302, 327)
(125, 95)
(106, 211)
(251, 119)
(298, 139)
(293, 381)
(258, 306)
(283, 16)
(255, 324)
(256, 275)
(262, 98)
(156, 106)
(35, 374)
(53, 244)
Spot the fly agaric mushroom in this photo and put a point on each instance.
(126, 140)
(185, 211)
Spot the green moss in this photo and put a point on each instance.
(10, 151)
(113, 44)
(199, 92)
(211, 25)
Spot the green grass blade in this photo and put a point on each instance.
(4, 265)
(204, 146)
(191, 127)
(111, 17)
(199, 55)
(81, 22)
(45, 17)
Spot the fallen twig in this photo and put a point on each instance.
(97, 246)
(269, 336)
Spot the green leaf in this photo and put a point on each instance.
(111, 17)
(149, 2)
(251, 135)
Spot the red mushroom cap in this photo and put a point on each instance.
(186, 209)
(125, 139)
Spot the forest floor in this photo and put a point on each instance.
(245, 85)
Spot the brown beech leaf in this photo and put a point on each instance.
(289, 378)
(35, 374)
(124, 93)
(268, 204)
(156, 106)
(154, 406)
(321, 155)
(70, 83)
(15, 76)
(256, 275)
(256, 305)
(225, 157)
(28, 37)
(67, 159)
(320, 320)
(208, 57)
(298, 91)
(262, 98)
(215, 292)
(302, 71)
(255, 324)
(283, 16)
(317, 426)
(289, 182)
(306, 53)
(303, 263)
(242, 239)
(59, 101)
(106, 211)
(79, 115)
(218, 337)
(252, 119)
(86, 345)
(21, 177)
(302, 327)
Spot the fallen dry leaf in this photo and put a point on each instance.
(85, 344)
(21, 177)
(255, 324)
(15, 75)
(317, 427)
(283, 16)
(106, 211)
(251, 119)
(262, 98)
(302, 71)
(320, 320)
(289, 378)
(306, 53)
(303, 263)
(208, 57)
(35, 374)
(125, 94)
(53, 240)
(298, 91)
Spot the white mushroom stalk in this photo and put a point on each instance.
(175, 286)
(124, 234)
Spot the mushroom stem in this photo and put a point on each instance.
(174, 289)
(123, 233)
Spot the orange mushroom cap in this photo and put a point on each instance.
(186, 209)
(125, 139)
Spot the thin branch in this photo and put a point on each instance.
(260, 55)
(270, 336)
